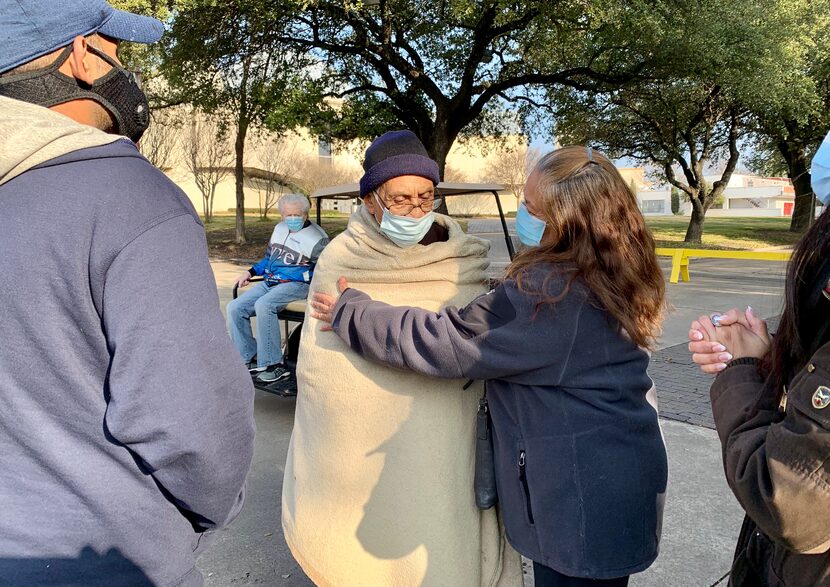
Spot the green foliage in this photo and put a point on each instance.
(675, 201)
(791, 111)
(792, 87)
(222, 56)
(460, 68)
(725, 55)
(225, 58)
(144, 58)
(361, 116)
(673, 83)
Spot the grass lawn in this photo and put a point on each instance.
(725, 233)
(719, 233)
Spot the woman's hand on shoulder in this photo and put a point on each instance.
(323, 304)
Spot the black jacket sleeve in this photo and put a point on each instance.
(777, 463)
(179, 397)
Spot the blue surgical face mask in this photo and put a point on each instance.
(820, 172)
(294, 223)
(529, 229)
(403, 230)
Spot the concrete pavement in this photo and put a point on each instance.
(702, 518)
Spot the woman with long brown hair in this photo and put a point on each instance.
(562, 342)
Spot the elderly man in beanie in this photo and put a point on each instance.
(378, 486)
(127, 427)
(398, 189)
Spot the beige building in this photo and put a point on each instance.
(635, 175)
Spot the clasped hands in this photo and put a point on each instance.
(737, 335)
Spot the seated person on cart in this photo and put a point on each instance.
(289, 260)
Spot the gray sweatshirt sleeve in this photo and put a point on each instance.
(179, 397)
(495, 336)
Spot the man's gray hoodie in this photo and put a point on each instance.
(126, 416)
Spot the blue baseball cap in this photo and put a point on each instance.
(32, 28)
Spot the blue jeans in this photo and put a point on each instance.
(265, 303)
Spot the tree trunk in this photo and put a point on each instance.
(210, 203)
(706, 196)
(239, 173)
(804, 210)
(694, 233)
(438, 145)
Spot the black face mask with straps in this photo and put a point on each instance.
(117, 91)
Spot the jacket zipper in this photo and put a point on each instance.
(523, 479)
(782, 405)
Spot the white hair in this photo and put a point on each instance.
(297, 199)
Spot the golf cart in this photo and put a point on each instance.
(294, 313)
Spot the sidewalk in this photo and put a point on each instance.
(702, 518)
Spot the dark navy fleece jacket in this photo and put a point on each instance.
(126, 417)
(581, 468)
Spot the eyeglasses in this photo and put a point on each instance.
(403, 206)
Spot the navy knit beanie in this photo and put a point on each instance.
(396, 153)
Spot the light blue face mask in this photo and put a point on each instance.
(403, 230)
(529, 229)
(820, 172)
(294, 223)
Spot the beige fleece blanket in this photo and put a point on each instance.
(379, 477)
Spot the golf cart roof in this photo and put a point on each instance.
(352, 190)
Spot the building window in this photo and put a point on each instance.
(653, 206)
(324, 148)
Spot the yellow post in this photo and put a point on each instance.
(680, 258)
(676, 261)
(684, 267)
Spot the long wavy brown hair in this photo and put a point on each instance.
(596, 233)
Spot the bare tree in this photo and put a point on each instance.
(209, 158)
(278, 163)
(161, 140)
(511, 167)
(453, 174)
(313, 173)
(467, 205)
